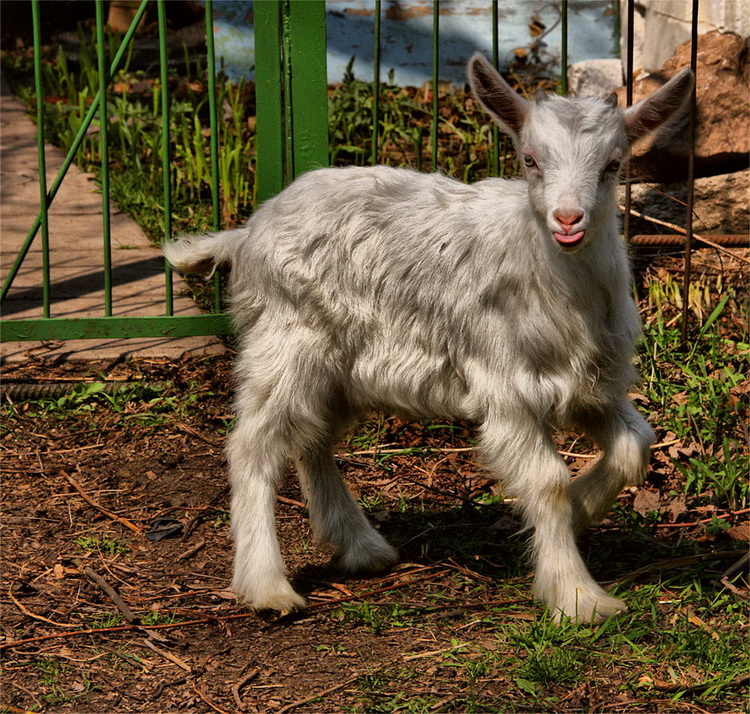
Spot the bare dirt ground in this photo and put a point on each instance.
(98, 617)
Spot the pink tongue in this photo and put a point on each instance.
(569, 240)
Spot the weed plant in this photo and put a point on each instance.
(698, 390)
(134, 116)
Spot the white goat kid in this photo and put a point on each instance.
(505, 302)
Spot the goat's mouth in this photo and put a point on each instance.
(569, 241)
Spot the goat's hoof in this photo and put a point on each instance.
(371, 556)
(283, 599)
(588, 605)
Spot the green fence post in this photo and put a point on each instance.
(306, 33)
(376, 88)
(564, 48)
(493, 168)
(269, 136)
(435, 80)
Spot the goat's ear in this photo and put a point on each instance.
(666, 102)
(506, 107)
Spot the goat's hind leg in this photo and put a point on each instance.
(279, 403)
(257, 451)
(625, 439)
(335, 516)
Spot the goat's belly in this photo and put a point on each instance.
(412, 383)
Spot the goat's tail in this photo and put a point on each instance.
(203, 253)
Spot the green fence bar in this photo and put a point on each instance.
(70, 328)
(165, 163)
(494, 168)
(564, 48)
(435, 79)
(214, 122)
(692, 120)
(41, 159)
(13, 272)
(269, 138)
(628, 101)
(104, 150)
(376, 88)
(308, 99)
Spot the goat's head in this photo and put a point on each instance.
(572, 149)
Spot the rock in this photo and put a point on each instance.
(720, 205)
(723, 118)
(594, 78)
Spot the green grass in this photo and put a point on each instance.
(101, 544)
(698, 393)
(141, 403)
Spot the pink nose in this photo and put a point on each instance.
(567, 219)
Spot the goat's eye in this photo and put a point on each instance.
(612, 167)
(528, 161)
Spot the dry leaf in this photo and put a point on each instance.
(646, 502)
(740, 532)
(674, 508)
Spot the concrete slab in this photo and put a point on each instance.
(76, 255)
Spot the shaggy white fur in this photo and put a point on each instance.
(505, 302)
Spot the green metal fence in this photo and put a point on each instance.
(291, 138)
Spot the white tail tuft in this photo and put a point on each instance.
(201, 254)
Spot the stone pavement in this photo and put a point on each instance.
(75, 236)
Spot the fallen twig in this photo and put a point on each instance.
(703, 520)
(291, 502)
(742, 594)
(113, 595)
(318, 695)
(200, 517)
(206, 700)
(673, 563)
(95, 504)
(237, 686)
(194, 432)
(33, 615)
(406, 450)
(190, 551)
(741, 681)
(174, 659)
(318, 606)
(163, 685)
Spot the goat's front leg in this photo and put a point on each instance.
(625, 438)
(523, 454)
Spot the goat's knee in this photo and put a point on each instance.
(624, 462)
